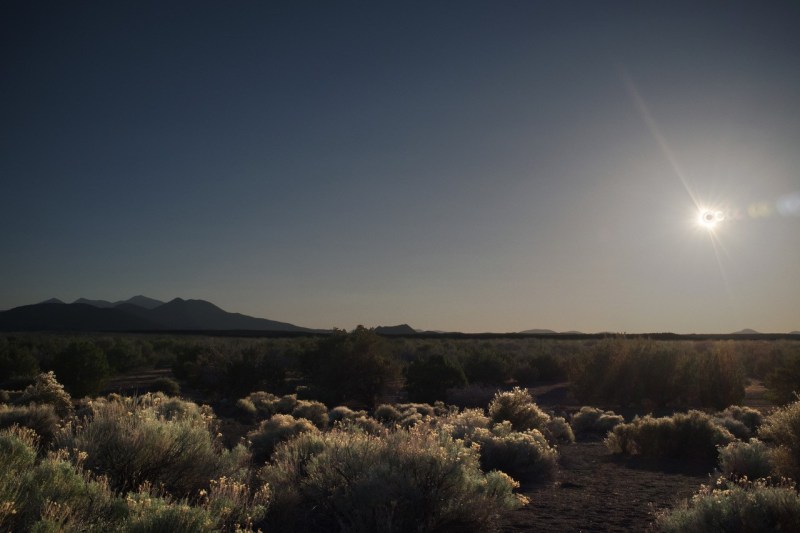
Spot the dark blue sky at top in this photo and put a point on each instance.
(453, 165)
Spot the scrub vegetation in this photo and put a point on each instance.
(359, 432)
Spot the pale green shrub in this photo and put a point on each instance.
(783, 428)
(52, 492)
(314, 412)
(166, 443)
(752, 418)
(149, 514)
(752, 459)
(46, 389)
(526, 456)
(517, 406)
(270, 433)
(742, 506)
(462, 425)
(557, 430)
(693, 435)
(341, 413)
(387, 414)
(593, 421)
(40, 418)
(410, 480)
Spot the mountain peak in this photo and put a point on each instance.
(52, 301)
(400, 329)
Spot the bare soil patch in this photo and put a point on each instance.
(596, 491)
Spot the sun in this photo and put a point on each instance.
(710, 218)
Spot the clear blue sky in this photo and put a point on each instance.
(473, 166)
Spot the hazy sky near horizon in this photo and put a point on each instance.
(472, 166)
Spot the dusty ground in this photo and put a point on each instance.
(595, 491)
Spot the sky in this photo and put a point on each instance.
(459, 166)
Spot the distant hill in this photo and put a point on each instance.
(402, 329)
(128, 315)
(141, 301)
(795, 333)
(540, 331)
(71, 317)
(52, 301)
(746, 332)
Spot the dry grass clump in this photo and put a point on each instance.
(315, 412)
(693, 436)
(593, 421)
(751, 506)
(409, 480)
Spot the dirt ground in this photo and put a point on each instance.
(595, 491)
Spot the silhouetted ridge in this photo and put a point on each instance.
(401, 329)
(178, 314)
(71, 317)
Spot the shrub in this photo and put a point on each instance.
(693, 435)
(415, 480)
(526, 456)
(752, 459)
(270, 433)
(487, 368)
(314, 412)
(783, 428)
(518, 407)
(748, 416)
(593, 421)
(52, 492)
(82, 368)
(352, 366)
(164, 442)
(462, 425)
(387, 414)
(46, 389)
(474, 395)
(428, 378)
(40, 418)
(166, 385)
(557, 430)
(736, 506)
(341, 413)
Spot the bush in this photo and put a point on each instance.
(734, 507)
(387, 414)
(752, 459)
(693, 435)
(428, 378)
(462, 425)
(162, 441)
(37, 494)
(166, 385)
(748, 416)
(270, 433)
(314, 412)
(783, 428)
(556, 430)
(40, 418)
(47, 390)
(517, 407)
(593, 421)
(352, 366)
(82, 368)
(415, 480)
(526, 456)
(487, 368)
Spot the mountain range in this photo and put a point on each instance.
(139, 313)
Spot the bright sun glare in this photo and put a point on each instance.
(709, 218)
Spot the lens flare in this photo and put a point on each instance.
(709, 218)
